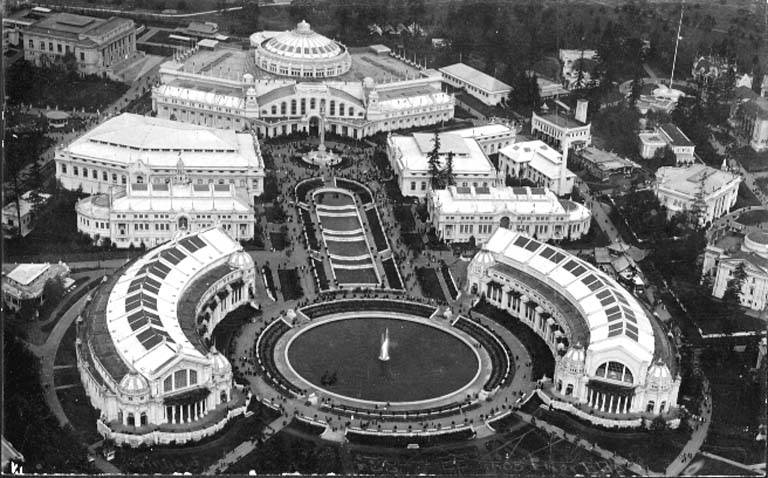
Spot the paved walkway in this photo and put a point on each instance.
(246, 447)
(700, 429)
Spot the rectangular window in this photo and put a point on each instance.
(168, 383)
(63, 169)
(58, 47)
(180, 378)
(104, 176)
(85, 172)
(82, 56)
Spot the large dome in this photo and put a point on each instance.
(301, 52)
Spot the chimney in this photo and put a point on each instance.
(581, 110)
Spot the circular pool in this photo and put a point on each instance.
(342, 357)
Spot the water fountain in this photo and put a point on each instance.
(384, 353)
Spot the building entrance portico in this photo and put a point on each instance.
(608, 397)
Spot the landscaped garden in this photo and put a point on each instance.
(430, 283)
(366, 275)
(290, 284)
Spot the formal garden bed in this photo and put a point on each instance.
(290, 284)
(356, 276)
(269, 281)
(279, 240)
(391, 272)
(77, 407)
(430, 283)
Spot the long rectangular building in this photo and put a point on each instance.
(461, 213)
(132, 149)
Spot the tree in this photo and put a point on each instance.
(658, 424)
(636, 88)
(450, 177)
(733, 289)
(53, 291)
(433, 159)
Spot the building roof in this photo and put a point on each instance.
(199, 96)
(613, 317)
(686, 181)
(651, 138)
(161, 143)
(475, 78)
(605, 160)
(674, 135)
(133, 321)
(538, 155)
(506, 200)
(303, 44)
(73, 26)
(25, 274)
(469, 157)
(25, 206)
(485, 131)
(561, 121)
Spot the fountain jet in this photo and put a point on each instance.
(384, 353)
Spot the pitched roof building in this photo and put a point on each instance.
(539, 163)
(482, 86)
(680, 188)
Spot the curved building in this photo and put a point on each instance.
(142, 341)
(300, 53)
(299, 81)
(614, 363)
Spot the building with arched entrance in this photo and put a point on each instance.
(460, 214)
(288, 79)
(615, 364)
(143, 341)
(151, 214)
(136, 149)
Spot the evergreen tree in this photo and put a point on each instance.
(732, 294)
(449, 176)
(433, 158)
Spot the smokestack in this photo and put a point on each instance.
(581, 110)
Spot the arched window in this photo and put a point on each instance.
(650, 406)
(332, 110)
(223, 397)
(559, 385)
(131, 420)
(293, 107)
(180, 379)
(143, 418)
(168, 383)
(341, 109)
(569, 389)
(662, 407)
(192, 377)
(312, 103)
(282, 108)
(274, 109)
(303, 106)
(615, 371)
(120, 416)
(140, 179)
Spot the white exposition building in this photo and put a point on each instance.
(142, 342)
(752, 251)
(300, 81)
(153, 213)
(539, 163)
(459, 214)
(680, 188)
(131, 148)
(484, 87)
(612, 357)
(408, 156)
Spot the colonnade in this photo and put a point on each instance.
(185, 413)
(610, 402)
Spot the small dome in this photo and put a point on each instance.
(219, 363)
(658, 377)
(251, 91)
(573, 360)
(248, 78)
(240, 260)
(368, 83)
(484, 258)
(134, 384)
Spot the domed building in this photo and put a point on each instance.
(614, 365)
(300, 53)
(143, 341)
(299, 81)
(727, 254)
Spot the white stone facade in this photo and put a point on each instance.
(132, 149)
(152, 214)
(145, 365)
(408, 156)
(678, 188)
(720, 265)
(605, 344)
(459, 214)
(539, 163)
(484, 87)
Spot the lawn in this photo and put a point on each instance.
(430, 284)
(751, 218)
(44, 87)
(334, 199)
(322, 278)
(339, 223)
(287, 453)
(390, 270)
(80, 413)
(654, 449)
(347, 248)
(376, 230)
(290, 284)
(356, 276)
(750, 160)
(278, 240)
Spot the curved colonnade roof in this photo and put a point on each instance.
(612, 316)
(143, 317)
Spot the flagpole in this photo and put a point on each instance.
(677, 42)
